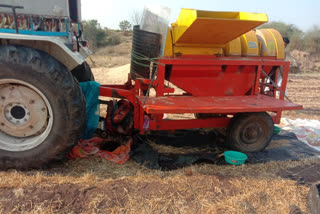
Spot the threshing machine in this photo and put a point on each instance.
(228, 70)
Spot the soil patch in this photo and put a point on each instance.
(187, 194)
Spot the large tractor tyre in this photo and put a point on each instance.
(83, 73)
(250, 132)
(42, 108)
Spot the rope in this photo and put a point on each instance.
(142, 64)
(137, 56)
(149, 87)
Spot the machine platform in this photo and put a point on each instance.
(227, 104)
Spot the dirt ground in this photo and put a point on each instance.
(304, 89)
(95, 185)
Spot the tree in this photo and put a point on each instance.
(125, 25)
(136, 17)
(297, 42)
(312, 40)
(94, 34)
(286, 30)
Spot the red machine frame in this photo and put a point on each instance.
(256, 101)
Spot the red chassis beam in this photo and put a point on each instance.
(189, 124)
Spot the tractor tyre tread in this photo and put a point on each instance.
(83, 73)
(64, 95)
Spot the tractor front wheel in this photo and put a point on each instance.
(250, 132)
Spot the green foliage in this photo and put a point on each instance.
(94, 34)
(125, 25)
(98, 37)
(309, 41)
(286, 30)
(297, 42)
(113, 40)
(312, 40)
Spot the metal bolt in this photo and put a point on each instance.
(28, 113)
(10, 118)
(31, 127)
(25, 119)
(18, 121)
(32, 102)
(43, 109)
(10, 105)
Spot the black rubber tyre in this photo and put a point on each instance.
(83, 73)
(250, 132)
(64, 96)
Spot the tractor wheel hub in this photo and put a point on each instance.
(17, 113)
(251, 133)
(23, 111)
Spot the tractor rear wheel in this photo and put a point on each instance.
(42, 108)
(250, 132)
(83, 73)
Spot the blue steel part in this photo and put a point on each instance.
(39, 33)
(35, 33)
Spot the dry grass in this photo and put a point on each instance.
(108, 61)
(304, 89)
(98, 186)
(112, 56)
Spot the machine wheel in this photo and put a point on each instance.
(83, 73)
(42, 108)
(250, 132)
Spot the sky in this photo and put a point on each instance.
(302, 13)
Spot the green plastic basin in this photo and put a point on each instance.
(276, 130)
(235, 158)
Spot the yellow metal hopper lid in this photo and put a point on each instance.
(210, 27)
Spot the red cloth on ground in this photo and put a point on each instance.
(86, 148)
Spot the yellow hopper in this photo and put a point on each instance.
(209, 27)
